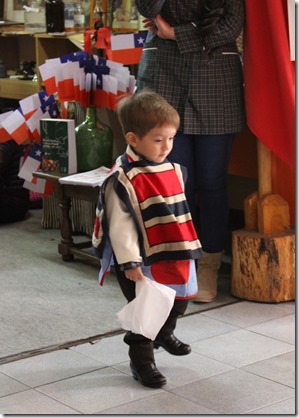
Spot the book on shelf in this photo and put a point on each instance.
(58, 142)
(91, 178)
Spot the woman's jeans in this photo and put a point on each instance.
(206, 158)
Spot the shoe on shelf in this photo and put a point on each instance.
(148, 375)
(173, 345)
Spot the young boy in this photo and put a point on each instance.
(143, 224)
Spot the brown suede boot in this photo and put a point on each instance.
(207, 271)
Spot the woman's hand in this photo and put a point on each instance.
(160, 27)
(135, 274)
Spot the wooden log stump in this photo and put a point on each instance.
(250, 212)
(263, 266)
(273, 214)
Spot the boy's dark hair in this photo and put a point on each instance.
(142, 111)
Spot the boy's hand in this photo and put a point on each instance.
(135, 274)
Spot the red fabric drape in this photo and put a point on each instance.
(270, 77)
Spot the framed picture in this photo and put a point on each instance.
(18, 4)
(13, 10)
(122, 15)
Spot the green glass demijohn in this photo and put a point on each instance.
(94, 141)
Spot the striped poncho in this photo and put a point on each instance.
(153, 195)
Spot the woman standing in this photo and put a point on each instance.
(190, 57)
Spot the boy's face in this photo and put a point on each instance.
(155, 145)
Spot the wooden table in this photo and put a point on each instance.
(64, 193)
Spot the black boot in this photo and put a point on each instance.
(166, 338)
(173, 345)
(142, 364)
(148, 375)
(141, 351)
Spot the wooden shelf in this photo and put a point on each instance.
(17, 46)
(49, 46)
(17, 89)
(52, 46)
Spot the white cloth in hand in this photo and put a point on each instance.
(149, 310)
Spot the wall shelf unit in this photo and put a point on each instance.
(17, 46)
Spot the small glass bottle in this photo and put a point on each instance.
(34, 17)
(79, 17)
(94, 142)
(54, 16)
(69, 18)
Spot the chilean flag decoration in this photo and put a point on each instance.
(269, 77)
(31, 163)
(127, 48)
(88, 79)
(4, 135)
(94, 82)
(15, 125)
(35, 101)
(122, 48)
